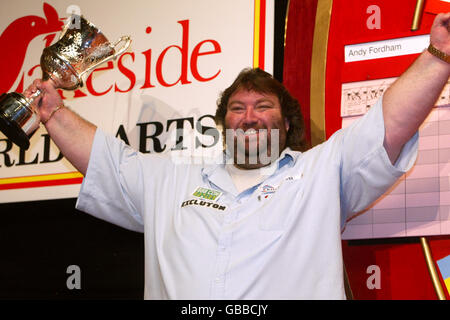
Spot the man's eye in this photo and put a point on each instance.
(237, 109)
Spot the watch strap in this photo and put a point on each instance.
(438, 53)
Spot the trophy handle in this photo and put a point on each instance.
(127, 40)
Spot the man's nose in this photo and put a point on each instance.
(250, 116)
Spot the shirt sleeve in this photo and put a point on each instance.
(366, 171)
(112, 183)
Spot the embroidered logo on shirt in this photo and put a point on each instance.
(207, 194)
(267, 190)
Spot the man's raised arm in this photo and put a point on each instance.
(411, 97)
(72, 134)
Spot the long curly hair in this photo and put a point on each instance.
(255, 79)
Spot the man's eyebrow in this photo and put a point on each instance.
(235, 101)
(264, 100)
(257, 101)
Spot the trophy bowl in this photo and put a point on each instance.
(80, 48)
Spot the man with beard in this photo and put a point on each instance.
(266, 222)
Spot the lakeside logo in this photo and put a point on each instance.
(208, 194)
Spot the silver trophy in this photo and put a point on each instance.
(81, 48)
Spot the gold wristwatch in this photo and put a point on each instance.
(438, 53)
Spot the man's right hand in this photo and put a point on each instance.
(47, 101)
(71, 133)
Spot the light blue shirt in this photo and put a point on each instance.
(280, 239)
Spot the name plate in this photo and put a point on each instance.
(386, 48)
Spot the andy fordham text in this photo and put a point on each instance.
(231, 309)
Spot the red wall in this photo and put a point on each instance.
(403, 271)
(404, 274)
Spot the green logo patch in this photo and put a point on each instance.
(206, 193)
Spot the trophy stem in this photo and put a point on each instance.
(33, 97)
(30, 100)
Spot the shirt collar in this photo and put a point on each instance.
(219, 176)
